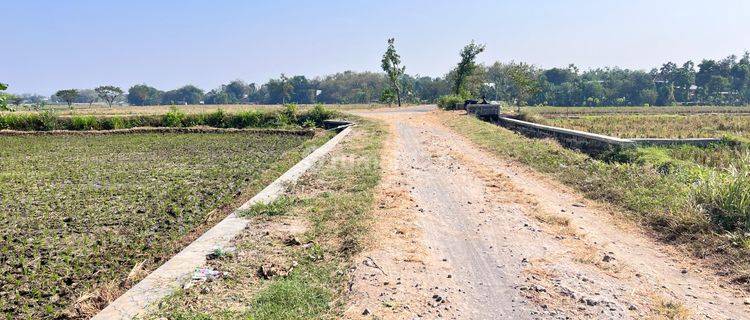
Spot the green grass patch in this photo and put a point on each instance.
(277, 207)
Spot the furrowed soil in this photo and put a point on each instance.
(462, 234)
(84, 217)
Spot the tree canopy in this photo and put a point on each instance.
(393, 71)
(68, 96)
(108, 94)
(466, 66)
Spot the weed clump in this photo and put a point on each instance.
(725, 197)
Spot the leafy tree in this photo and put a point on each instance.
(237, 91)
(303, 90)
(523, 82)
(665, 95)
(3, 97)
(466, 66)
(188, 94)
(217, 96)
(87, 96)
(279, 90)
(388, 96)
(16, 100)
(143, 95)
(108, 93)
(68, 96)
(394, 72)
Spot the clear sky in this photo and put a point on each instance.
(51, 45)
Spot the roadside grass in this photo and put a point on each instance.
(671, 196)
(81, 214)
(333, 203)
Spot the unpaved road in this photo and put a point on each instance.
(464, 235)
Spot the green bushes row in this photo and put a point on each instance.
(448, 102)
(287, 117)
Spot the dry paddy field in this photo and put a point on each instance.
(83, 217)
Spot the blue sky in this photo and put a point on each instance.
(50, 45)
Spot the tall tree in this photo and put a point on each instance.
(466, 66)
(68, 95)
(391, 65)
(523, 82)
(108, 93)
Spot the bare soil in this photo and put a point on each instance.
(461, 234)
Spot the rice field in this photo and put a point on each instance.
(548, 111)
(82, 217)
(657, 126)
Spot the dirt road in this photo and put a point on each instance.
(463, 235)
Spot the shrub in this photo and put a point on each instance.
(216, 119)
(290, 112)
(317, 115)
(83, 123)
(448, 102)
(289, 116)
(173, 118)
(244, 119)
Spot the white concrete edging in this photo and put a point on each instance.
(173, 273)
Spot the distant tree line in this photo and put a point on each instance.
(723, 82)
(710, 82)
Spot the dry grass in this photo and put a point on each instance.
(658, 126)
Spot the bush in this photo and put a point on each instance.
(448, 102)
(173, 118)
(317, 115)
(215, 119)
(83, 123)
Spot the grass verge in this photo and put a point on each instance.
(293, 262)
